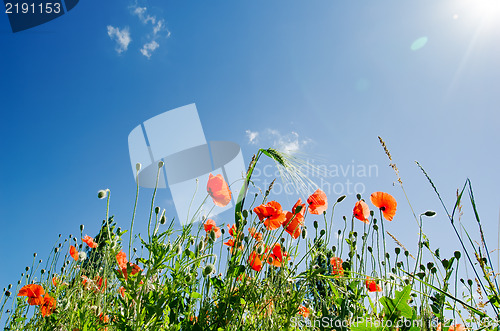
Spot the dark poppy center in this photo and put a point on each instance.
(382, 208)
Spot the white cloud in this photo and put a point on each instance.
(145, 18)
(122, 37)
(149, 48)
(252, 137)
(290, 143)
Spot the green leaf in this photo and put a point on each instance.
(398, 306)
(196, 295)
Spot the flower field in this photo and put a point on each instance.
(273, 267)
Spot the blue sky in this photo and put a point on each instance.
(319, 79)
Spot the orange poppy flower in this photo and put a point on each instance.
(295, 220)
(218, 189)
(48, 306)
(317, 202)
(232, 229)
(33, 292)
(304, 311)
(277, 255)
(73, 252)
(372, 286)
(89, 241)
(386, 203)
(271, 213)
(99, 282)
(210, 225)
(255, 262)
(135, 269)
(121, 258)
(361, 211)
(122, 291)
(337, 268)
(456, 327)
(256, 235)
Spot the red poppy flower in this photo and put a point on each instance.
(295, 220)
(255, 262)
(256, 235)
(121, 258)
(89, 241)
(277, 255)
(386, 203)
(210, 225)
(33, 292)
(317, 202)
(135, 269)
(232, 229)
(271, 213)
(304, 311)
(218, 189)
(337, 268)
(361, 211)
(99, 282)
(122, 291)
(456, 327)
(73, 252)
(48, 306)
(372, 286)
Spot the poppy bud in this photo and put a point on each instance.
(334, 249)
(209, 269)
(163, 219)
(397, 250)
(430, 213)
(138, 166)
(430, 265)
(358, 196)
(34, 254)
(9, 287)
(375, 227)
(222, 231)
(27, 268)
(160, 164)
(56, 249)
(322, 232)
(282, 240)
(387, 256)
(270, 260)
(244, 213)
(407, 253)
(178, 249)
(457, 255)
(101, 194)
(315, 224)
(82, 227)
(7, 293)
(469, 281)
(42, 271)
(304, 233)
(157, 210)
(191, 241)
(212, 235)
(201, 245)
(260, 249)
(370, 249)
(341, 198)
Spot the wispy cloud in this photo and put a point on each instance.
(149, 48)
(158, 25)
(252, 137)
(290, 143)
(152, 39)
(122, 38)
